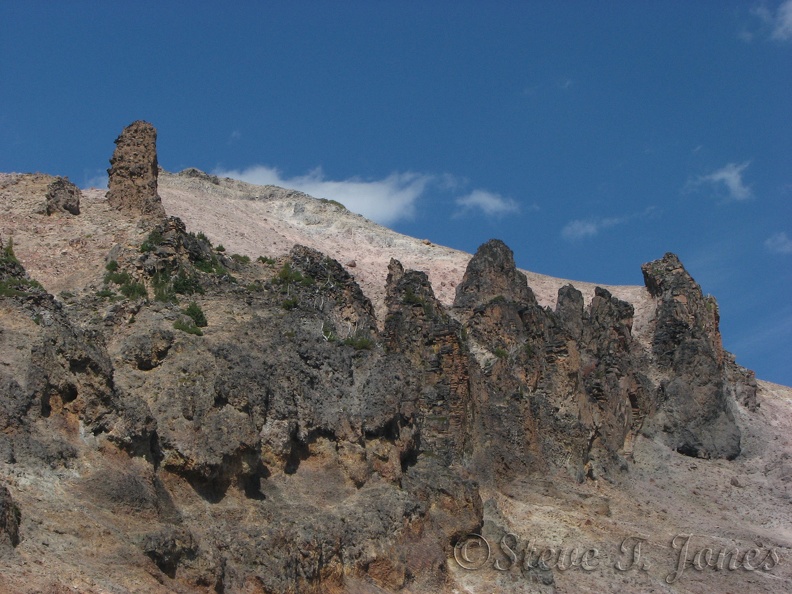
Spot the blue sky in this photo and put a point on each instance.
(590, 136)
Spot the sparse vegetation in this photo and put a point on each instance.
(501, 353)
(289, 304)
(265, 260)
(359, 342)
(106, 294)
(211, 266)
(288, 275)
(196, 314)
(188, 327)
(14, 287)
(111, 266)
(220, 247)
(240, 258)
(8, 252)
(328, 333)
(152, 241)
(411, 298)
(118, 278)
(335, 203)
(133, 290)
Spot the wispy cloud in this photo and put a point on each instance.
(385, 201)
(579, 229)
(585, 228)
(95, 181)
(779, 243)
(777, 25)
(727, 180)
(782, 25)
(489, 203)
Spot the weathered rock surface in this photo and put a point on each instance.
(194, 421)
(63, 196)
(693, 395)
(132, 183)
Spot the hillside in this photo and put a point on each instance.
(211, 386)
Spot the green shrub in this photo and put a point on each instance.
(211, 266)
(240, 258)
(133, 290)
(287, 275)
(335, 203)
(265, 260)
(111, 266)
(196, 313)
(14, 287)
(189, 328)
(220, 247)
(289, 304)
(105, 294)
(152, 241)
(184, 284)
(359, 342)
(119, 278)
(8, 252)
(501, 353)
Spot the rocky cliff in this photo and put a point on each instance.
(198, 421)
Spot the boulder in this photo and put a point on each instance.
(63, 196)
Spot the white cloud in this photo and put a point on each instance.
(730, 179)
(782, 23)
(779, 243)
(778, 24)
(385, 201)
(585, 228)
(490, 203)
(580, 229)
(97, 181)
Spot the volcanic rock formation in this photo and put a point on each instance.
(222, 424)
(132, 183)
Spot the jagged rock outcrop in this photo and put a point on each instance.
(288, 444)
(132, 183)
(492, 273)
(559, 388)
(694, 413)
(418, 326)
(63, 196)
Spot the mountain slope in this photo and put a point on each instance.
(179, 417)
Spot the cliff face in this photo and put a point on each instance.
(229, 425)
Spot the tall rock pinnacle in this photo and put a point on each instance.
(133, 172)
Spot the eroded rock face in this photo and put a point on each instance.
(63, 196)
(132, 185)
(692, 398)
(295, 446)
(492, 273)
(558, 389)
